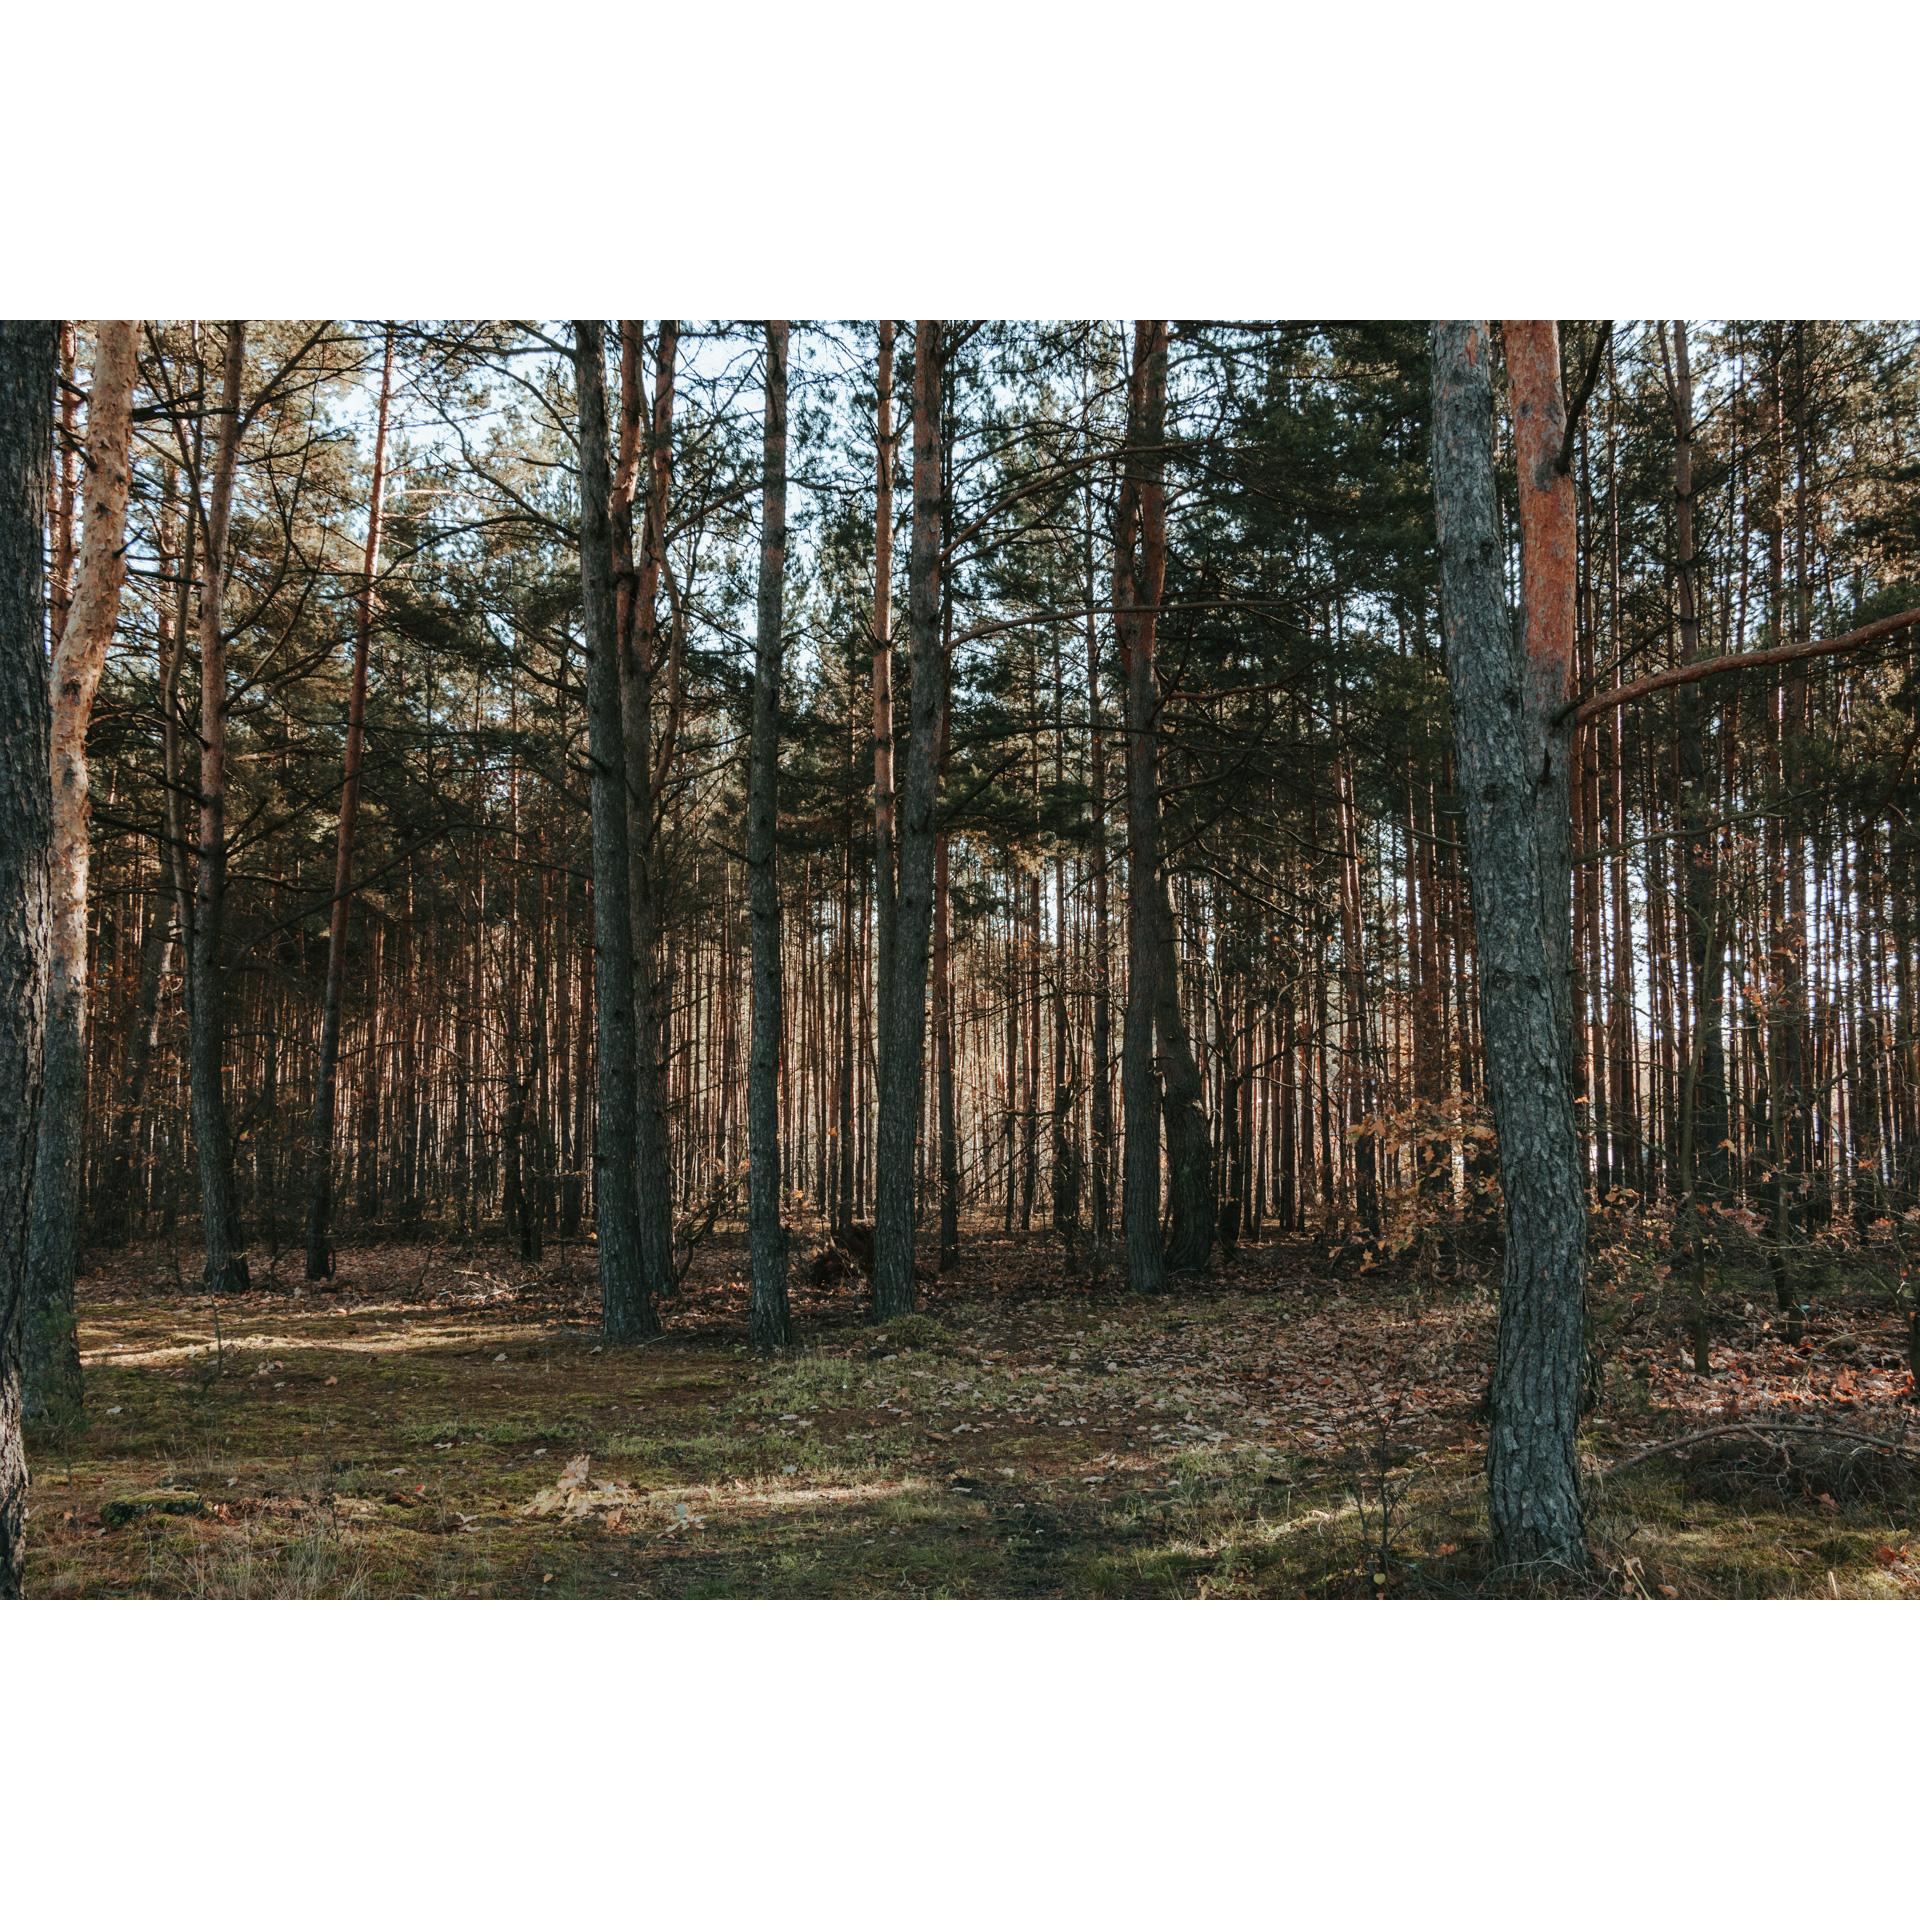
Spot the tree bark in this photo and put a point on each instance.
(1507, 751)
(320, 1200)
(636, 600)
(1709, 1168)
(163, 935)
(51, 1368)
(903, 1001)
(27, 359)
(627, 1312)
(768, 1324)
(943, 1028)
(885, 874)
(1191, 1218)
(1136, 600)
(226, 1260)
(1101, 1111)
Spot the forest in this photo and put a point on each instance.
(1155, 958)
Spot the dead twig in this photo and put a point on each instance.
(1879, 1443)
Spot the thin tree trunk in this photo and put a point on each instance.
(1520, 884)
(1135, 615)
(627, 1311)
(943, 1029)
(844, 1196)
(636, 595)
(885, 877)
(226, 1261)
(1102, 1106)
(27, 359)
(163, 933)
(768, 1324)
(1190, 1225)
(903, 991)
(51, 1367)
(320, 1199)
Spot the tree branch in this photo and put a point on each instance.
(1578, 405)
(1580, 712)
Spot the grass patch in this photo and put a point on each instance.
(1074, 1443)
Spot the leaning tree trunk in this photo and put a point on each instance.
(27, 350)
(51, 1370)
(320, 1201)
(226, 1264)
(1135, 604)
(1513, 780)
(903, 1001)
(627, 1312)
(767, 1315)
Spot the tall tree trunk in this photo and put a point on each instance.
(1064, 1148)
(163, 933)
(168, 924)
(627, 1311)
(226, 1261)
(51, 1366)
(1703, 1173)
(27, 359)
(636, 598)
(767, 1242)
(943, 1026)
(903, 991)
(1502, 708)
(885, 874)
(1136, 601)
(1190, 1224)
(843, 1189)
(320, 1198)
(1101, 1112)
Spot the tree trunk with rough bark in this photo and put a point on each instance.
(885, 875)
(1191, 1216)
(767, 1314)
(1512, 776)
(1101, 1110)
(51, 1369)
(1135, 604)
(636, 598)
(163, 936)
(226, 1261)
(320, 1199)
(943, 1027)
(27, 358)
(903, 1002)
(627, 1312)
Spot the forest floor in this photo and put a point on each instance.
(447, 1425)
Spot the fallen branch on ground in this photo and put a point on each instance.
(1876, 1441)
